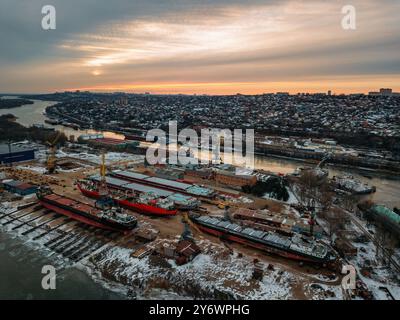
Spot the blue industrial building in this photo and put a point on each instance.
(11, 154)
(19, 187)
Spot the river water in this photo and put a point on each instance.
(20, 267)
(21, 276)
(34, 114)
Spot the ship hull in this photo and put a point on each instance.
(134, 137)
(84, 217)
(257, 245)
(76, 216)
(159, 186)
(137, 207)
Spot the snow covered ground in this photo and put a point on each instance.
(207, 276)
(35, 169)
(379, 275)
(213, 274)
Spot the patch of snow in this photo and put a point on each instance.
(40, 170)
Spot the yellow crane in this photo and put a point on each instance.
(186, 220)
(51, 157)
(103, 190)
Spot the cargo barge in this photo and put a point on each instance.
(105, 218)
(181, 201)
(166, 184)
(281, 223)
(295, 247)
(146, 204)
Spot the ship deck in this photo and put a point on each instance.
(72, 204)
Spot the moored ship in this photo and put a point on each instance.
(52, 121)
(145, 203)
(353, 186)
(135, 137)
(294, 247)
(106, 218)
(185, 188)
(180, 201)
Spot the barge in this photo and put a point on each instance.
(295, 247)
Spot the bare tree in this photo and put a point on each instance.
(308, 187)
(336, 220)
(386, 243)
(349, 202)
(326, 197)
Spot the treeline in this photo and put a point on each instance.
(13, 131)
(275, 187)
(13, 103)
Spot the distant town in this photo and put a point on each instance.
(367, 120)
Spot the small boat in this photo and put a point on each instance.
(52, 121)
(353, 186)
(42, 127)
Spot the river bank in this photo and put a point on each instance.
(20, 275)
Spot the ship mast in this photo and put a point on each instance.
(103, 190)
(51, 158)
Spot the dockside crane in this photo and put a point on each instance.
(51, 157)
(105, 200)
(103, 190)
(326, 157)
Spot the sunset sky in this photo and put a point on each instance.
(199, 46)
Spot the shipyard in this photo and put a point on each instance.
(200, 158)
(193, 215)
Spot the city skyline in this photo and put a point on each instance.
(218, 47)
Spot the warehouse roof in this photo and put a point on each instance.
(171, 183)
(133, 186)
(25, 186)
(113, 181)
(130, 174)
(13, 183)
(5, 150)
(166, 182)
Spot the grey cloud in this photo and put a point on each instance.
(20, 21)
(372, 50)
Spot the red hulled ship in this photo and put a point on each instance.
(109, 218)
(145, 204)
